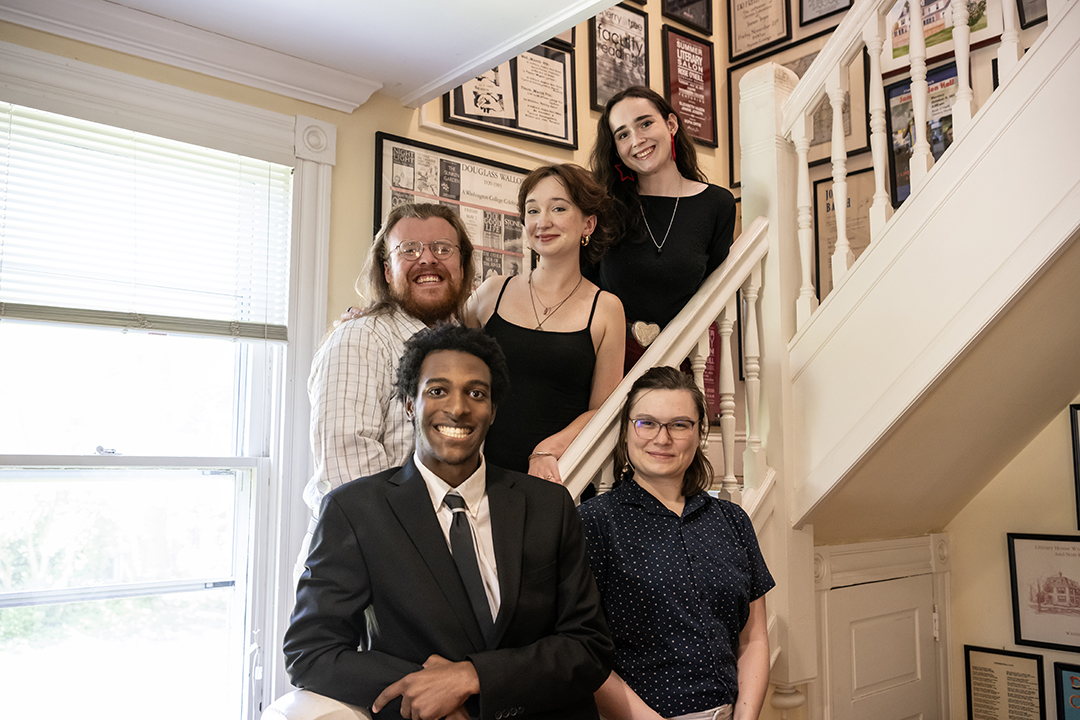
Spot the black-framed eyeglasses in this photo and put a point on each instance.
(413, 249)
(647, 428)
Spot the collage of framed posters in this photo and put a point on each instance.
(618, 52)
(690, 83)
(530, 96)
(483, 193)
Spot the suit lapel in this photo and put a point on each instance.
(411, 503)
(507, 506)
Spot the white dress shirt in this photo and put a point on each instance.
(474, 492)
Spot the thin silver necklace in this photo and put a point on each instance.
(548, 312)
(660, 245)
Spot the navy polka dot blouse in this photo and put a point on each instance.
(677, 592)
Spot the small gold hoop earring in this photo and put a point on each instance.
(585, 240)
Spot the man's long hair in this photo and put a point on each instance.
(372, 287)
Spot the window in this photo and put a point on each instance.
(149, 357)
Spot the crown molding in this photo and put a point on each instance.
(154, 38)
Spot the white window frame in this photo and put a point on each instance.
(48, 82)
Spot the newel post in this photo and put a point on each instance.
(769, 189)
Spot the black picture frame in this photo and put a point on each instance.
(690, 85)
(566, 39)
(1044, 575)
(1074, 421)
(900, 145)
(810, 11)
(695, 14)
(799, 53)
(740, 49)
(1000, 686)
(510, 99)
(1031, 12)
(617, 61)
(1067, 690)
(482, 192)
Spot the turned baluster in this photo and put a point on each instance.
(698, 357)
(729, 485)
(961, 35)
(874, 37)
(754, 456)
(920, 161)
(807, 301)
(836, 86)
(1009, 50)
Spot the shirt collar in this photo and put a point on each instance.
(630, 493)
(472, 490)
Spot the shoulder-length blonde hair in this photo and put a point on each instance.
(699, 476)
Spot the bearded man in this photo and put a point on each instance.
(414, 277)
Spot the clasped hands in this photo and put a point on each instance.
(438, 691)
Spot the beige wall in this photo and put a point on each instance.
(1034, 494)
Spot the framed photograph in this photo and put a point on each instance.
(1045, 571)
(810, 11)
(1032, 12)
(1004, 685)
(696, 14)
(754, 25)
(690, 83)
(618, 52)
(530, 96)
(1074, 419)
(900, 122)
(798, 57)
(984, 22)
(482, 192)
(860, 196)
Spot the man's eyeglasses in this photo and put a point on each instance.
(413, 249)
(647, 429)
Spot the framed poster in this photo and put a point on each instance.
(984, 21)
(530, 96)
(900, 122)
(567, 39)
(798, 57)
(483, 193)
(690, 83)
(1074, 420)
(1004, 685)
(696, 14)
(810, 11)
(1067, 687)
(860, 196)
(754, 25)
(1032, 12)
(618, 52)
(1045, 573)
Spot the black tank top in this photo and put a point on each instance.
(550, 384)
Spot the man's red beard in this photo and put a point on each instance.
(431, 311)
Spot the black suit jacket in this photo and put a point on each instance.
(381, 577)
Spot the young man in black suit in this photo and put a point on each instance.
(465, 586)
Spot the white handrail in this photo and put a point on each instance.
(594, 445)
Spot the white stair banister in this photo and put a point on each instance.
(962, 103)
(807, 302)
(836, 86)
(881, 209)
(1009, 51)
(729, 485)
(921, 158)
(754, 455)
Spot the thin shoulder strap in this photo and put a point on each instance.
(499, 299)
(595, 299)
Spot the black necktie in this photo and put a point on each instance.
(461, 545)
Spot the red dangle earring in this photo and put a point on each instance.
(625, 175)
(673, 147)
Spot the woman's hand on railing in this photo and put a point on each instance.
(545, 465)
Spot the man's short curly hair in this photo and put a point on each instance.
(448, 336)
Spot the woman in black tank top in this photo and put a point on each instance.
(563, 337)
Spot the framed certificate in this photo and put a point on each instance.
(754, 25)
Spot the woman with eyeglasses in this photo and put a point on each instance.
(680, 572)
(563, 337)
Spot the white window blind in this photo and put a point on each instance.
(109, 227)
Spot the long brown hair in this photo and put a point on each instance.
(605, 156)
(586, 193)
(699, 476)
(372, 286)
